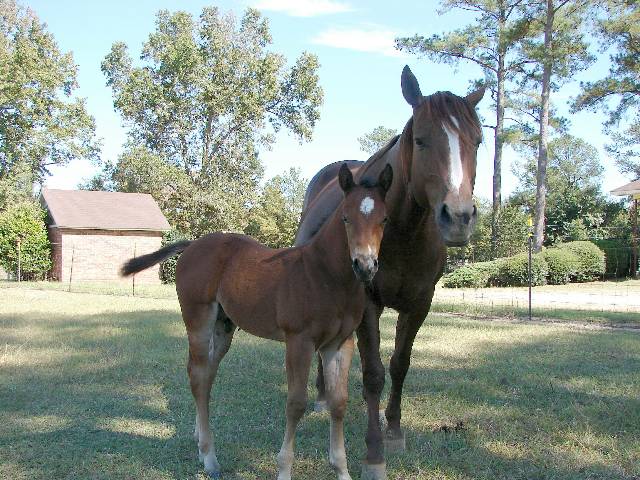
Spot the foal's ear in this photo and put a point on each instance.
(345, 178)
(410, 88)
(474, 97)
(385, 178)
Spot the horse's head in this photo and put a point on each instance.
(364, 214)
(438, 148)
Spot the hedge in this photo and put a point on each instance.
(591, 260)
(563, 265)
(168, 267)
(617, 254)
(514, 271)
(475, 275)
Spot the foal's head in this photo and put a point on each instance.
(439, 148)
(364, 215)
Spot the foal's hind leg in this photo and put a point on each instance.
(336, 360)
(210, 334)
(298, 361)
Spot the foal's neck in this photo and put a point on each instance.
(328, 250)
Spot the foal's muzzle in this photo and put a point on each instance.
(365, 267)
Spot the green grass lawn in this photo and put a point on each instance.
(95, 386)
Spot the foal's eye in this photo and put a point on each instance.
(344, 219)
(385, 220)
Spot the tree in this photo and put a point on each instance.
(576, 209)
(376, 139)
(41, 124)
(274, 220)
(489, 42)
(202, 100)
(619, 29)
(23, 224)
(557, 53)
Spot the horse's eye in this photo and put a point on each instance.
(344, 219)
(420, 143)
(385, 220)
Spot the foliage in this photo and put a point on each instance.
(198, 109)
(618, 28)
(40, 123)
(591, 260)
(563, 265)
(473, 275)
(274, 219)
(514, 271)
(617, 253)
(24, 222)
(168, 267)
(576, 209)
(376, 139)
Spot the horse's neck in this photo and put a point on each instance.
(328, 251)
(401, 206)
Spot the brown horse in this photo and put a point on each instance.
(430, 207)
(306, 296)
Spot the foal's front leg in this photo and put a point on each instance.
(336, 361)
(298, 361)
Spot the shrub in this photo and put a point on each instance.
(475, 275)
(563, 265)
(168, 267)
(617, 253)
(25, 221)
(514, 271)
(591, 260)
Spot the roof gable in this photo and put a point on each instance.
(87, 209)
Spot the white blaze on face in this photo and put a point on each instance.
(366, 207)
(455, 161)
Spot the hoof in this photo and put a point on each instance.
(372, 471)
(394, 442)
(320, 406)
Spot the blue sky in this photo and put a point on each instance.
(360, 73)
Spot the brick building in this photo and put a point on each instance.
(97, 231)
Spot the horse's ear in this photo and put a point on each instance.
(474, 97)
(385, 178)
(410, 88)
(345, 178)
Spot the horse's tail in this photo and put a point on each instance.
(137, 264)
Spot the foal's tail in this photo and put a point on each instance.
(137, 264)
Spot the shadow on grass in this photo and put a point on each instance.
(107, 396)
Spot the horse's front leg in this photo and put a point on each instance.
(406, 331)
(373, 467)
(336, 361)
(299, 352)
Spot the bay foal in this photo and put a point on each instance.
(306, 296)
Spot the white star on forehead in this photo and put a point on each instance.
(366, 207)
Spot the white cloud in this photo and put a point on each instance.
(375, 40)
(303, 8)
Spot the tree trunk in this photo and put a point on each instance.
(541, 177)
(497, 156)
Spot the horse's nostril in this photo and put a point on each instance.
(445, 216)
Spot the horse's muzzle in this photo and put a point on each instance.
(456, 223)
(365, 267)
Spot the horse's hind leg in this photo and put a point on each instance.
(210, 334)
(336, 360)
(298, 362)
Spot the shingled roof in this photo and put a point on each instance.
(628, 189)
(86, 209)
